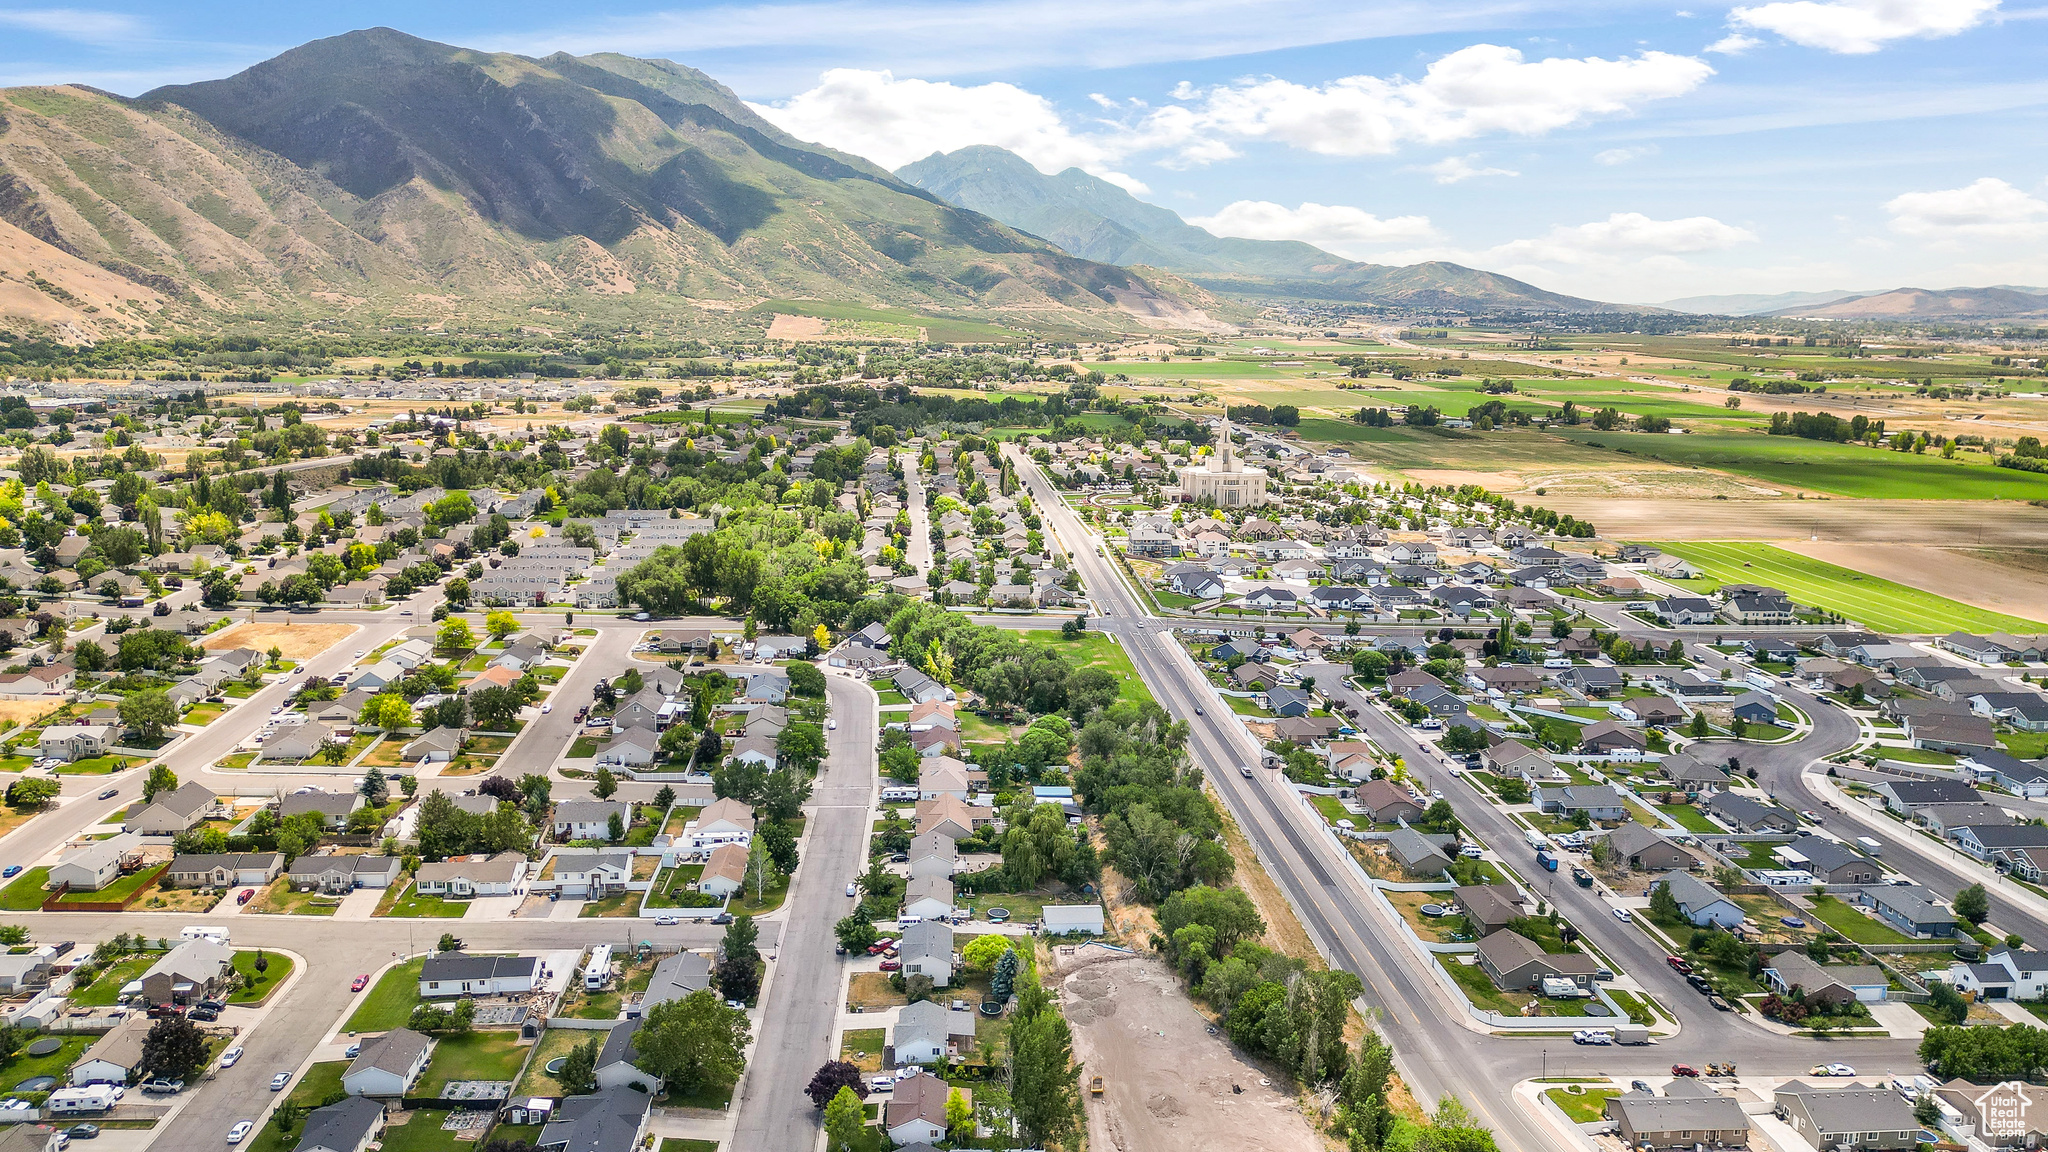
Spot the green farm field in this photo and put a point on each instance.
(1873, 602)
(1823, 466)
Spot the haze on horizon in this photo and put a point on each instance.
(1615, 150)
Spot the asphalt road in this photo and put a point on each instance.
(802, 1004)
(1437, 1057)
(920, 523)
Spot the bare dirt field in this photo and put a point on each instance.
(1167, 1081)
(1948, 523)
(298, 641)
(785, 327)
(1944, 571)
(1636, 483)
(27, 712)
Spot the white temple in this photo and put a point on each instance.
(1222, 478)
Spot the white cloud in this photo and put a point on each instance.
(1614, 156)
(75, 24)
(1480, 90)
(1453, 169)
(1857, 26)
(893, 122)
(1733, 44)
(1127, 182)
(1335, 227)
(1623, 236)
(1989, 209)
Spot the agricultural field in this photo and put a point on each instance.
(1869, 600)
(1824, 466)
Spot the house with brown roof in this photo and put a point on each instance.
(1515, 963)
(1490, 907)
(1387, 802)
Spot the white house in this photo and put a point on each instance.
(460, 974)
(96, 865)
(388, 1065)
(589, 819)
(2007, 974)
(1061, 919)
(927, 947)
(927, 1032)
(725, 871)
(726, 821)
(928, 896)
(472, 875)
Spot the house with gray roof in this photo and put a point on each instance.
(1700, 902)
(1515, 963)
(1646, 851)
(1910, 908)
(350, 1125)
(1742, 814)
(333, 807)
(612, 1118)
(589, 819)
(1420, 853)
(461, 974)
(927, 947)
(1826, 983)
(674, 978)
(1671, 1122)
(172, 812)
(1829, 861)
(1853, 1118)
(388, 1065)
(336, 873)
(615, 1067)
(1597, 801)
(927, 1032)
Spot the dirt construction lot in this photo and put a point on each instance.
(1167, 1080)
(298, 641)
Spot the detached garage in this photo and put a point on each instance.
(1065, 919)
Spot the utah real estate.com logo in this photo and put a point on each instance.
(2002, 1111)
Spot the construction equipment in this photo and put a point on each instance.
(1095, 1086)
(1727, 1069)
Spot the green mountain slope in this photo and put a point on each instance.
(375, 177)
(1096, 220)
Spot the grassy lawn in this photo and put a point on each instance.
(98, 765)
(771, 898)
(423, 1133)
(619, 904)
(415, 905)
(1480, 990)
(642, 835)
(203, 714)
(389, 1002)
(890, 696)
(678, 1144)
(280, 898)
(2025, 745)
(257, 986)
(22, 1066)
(107, 989)
(1095, 650)
(1915, 755)
(1332, 808)
(477, 1056)
(1853, 924)
(673, 888)
(1637, 1007)
(310, 1091)
(862, 1048)
(118, 891)
(26, 893)
(871, 991)
(1689, 817)
(1869, 600)
(1582, 1107)
(582, 748)
(554, 1042)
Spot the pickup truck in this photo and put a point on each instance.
(162, 1087)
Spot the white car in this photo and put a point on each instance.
(831, 725)
(1624, 915)
(852, 890)
(239, 1132)
(278, 1081)
(547, 708)
(228, 1058)
(667, 921)
(360, 653)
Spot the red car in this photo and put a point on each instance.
(891, 965)
(1679, 965)
(247, 895)
(361, 983)
(1684, 1070)
(881, 946)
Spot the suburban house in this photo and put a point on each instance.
(297, 742)
(1903, 796)
(335, 874)
(615, 1067)
(437, 746)
(466, 876)
(928, 896)
(590, 819)
(1854, 1118)
(75, 742)
(927, 1032)
(1419, 853)
(1700, 902)
(1741, 814)
(1826, 983)
(96, 865)
(916, 1109)
(613, 1118)
(194, 970)
(927, 947)
(114, 1057)
(1646, 851)
(919, 688)
(1610, 739)
(933, 854)
(950, 816)
(225, 869)
(1490, 907)
(2006, 974)
(1829, 861)
(1677, 1121)
(726, 821)
(1910, 908)
(172, 812)
(349, 1125)
(674, 978)
(1597, 801)
(334, 807)
(724, 871)
(1515, 963)
(1387, 802)
(460, 974)
(388, 1065)
(1070, 919)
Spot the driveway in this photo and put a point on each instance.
(359, 904)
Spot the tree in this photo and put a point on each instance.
(1663, 904)
(89, 656)
(1698, 728)
(500, 624)
(958, 1113)
(1004, 981)
(982, 952)
(1972, 904)
(806, 680)
(694, 1043)
(386, 710)
(1045, 1087)
(856, 931)
(1738, 727)
(149, 712)
(160, 779)
(665, 797)
(830, 1078)
(375, 789)
(32, 792)
(1946, 1002)
(449, 942)
(781, 845)
(495, 709)
(455, 635)
(604, 784)
(579, 1068)
(845, 1121)
(782, 794)
(174, 1047)
(615, 827)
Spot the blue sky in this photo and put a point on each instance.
(1625, 151)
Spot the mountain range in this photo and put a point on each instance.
(1928, 304)
(1096, 220)
(377, 179)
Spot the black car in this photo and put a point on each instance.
(83, 1131)
(206, 1014)
(110, 793)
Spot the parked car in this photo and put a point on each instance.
(1623, 915)
(1679, 965)
(228, 1058)
(354, 1050)
(1684, 1070)
(892, 965)
(852, 890)
(1831, 1070)
(162, 1087)
(83, 1131)
(247, 895)
(204, 1015)
(10, 870)
(278, 1082)
(881, 946)
(110, 793)
(360, 983)
(239, 1132)
(667, 921)
(547, 708)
